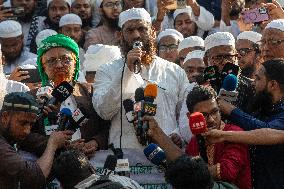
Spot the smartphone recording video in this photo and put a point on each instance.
(177, 4)
(255, 15)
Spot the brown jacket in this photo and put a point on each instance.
(95, 128)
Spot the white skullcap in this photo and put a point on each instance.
(43, 35)
(219, 39)
(67, 1)
(192, 41)
(98, 3)
(134, 14)
(187, 10)
(194, 54)
(70, 19)
(72, 1)
(10, 28)
(29, 64)
(250, 35)
(99, 54)
(276, 24)
(170, 32)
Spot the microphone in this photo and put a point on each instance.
(137, 66)
(138, 107)
(149, 108)
(80, 116)
(197, 124)
(211, 74)
(110, 164)
(156, 155)
(44, 94)
(228, 91)
(64, 119)
(61, 93)
(128, 106)
(230, 68)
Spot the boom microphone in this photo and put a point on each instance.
(197, 124)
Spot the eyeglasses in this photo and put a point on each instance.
(214, 113)
(221, 58)
(64, 60)
(112, 5)
(168, 47)
(271, 42)
(244, 51)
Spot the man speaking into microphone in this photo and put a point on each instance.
(137, 67)
(58, 63)
(227, 161)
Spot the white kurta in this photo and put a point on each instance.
(106, 98)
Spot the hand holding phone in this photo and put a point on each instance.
(18, 74)
(255, 15)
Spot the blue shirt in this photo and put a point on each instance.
(267, 162)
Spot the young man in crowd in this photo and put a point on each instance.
(83, 8)
(168, 42)
(17, 116)
(227, 161)
(55, 10)
(248, 48)
(107, 32)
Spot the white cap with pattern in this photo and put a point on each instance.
(10, 28)
(170, 32)
(69, 2)
(219, 39)
(276, 24)
(187, 10)
(70, 19)
(194, 54)
(43, 35)
(192, 41)
(250, 35)
(134, 14)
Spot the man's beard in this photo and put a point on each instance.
(26, 18)
(112, 23)
(263, 103)
(248, 71)
(13, 57)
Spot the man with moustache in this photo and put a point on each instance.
(106, 32)
(247, 46)
(83, 9)
(136, 25)
(55, 10)
(58, 61)
(267, 161)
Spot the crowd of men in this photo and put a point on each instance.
(212, 91)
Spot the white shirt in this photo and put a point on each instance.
(106, 97)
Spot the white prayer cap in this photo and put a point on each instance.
(67, 1)
(194, 54)
(70, 19)
(43, 35)
(250, 35)
(192, 41)
(219, 39)
(134, 14)
(99, 54)
(98, 3)
(276, 24)
(187, 10)
(29, 64)
(10, 28)
(170, 32)
(72, 1)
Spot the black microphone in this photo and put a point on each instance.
(138, 107)
(128, 106)
(110, 164)
(61, 93)
(137, 66)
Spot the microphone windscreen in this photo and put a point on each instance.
(155, 154)
(110, 162)
(128, 105)
(66, 111)
(197, 123)
(230, 82)
(62, 91)
(151, 90)
(139, 94)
